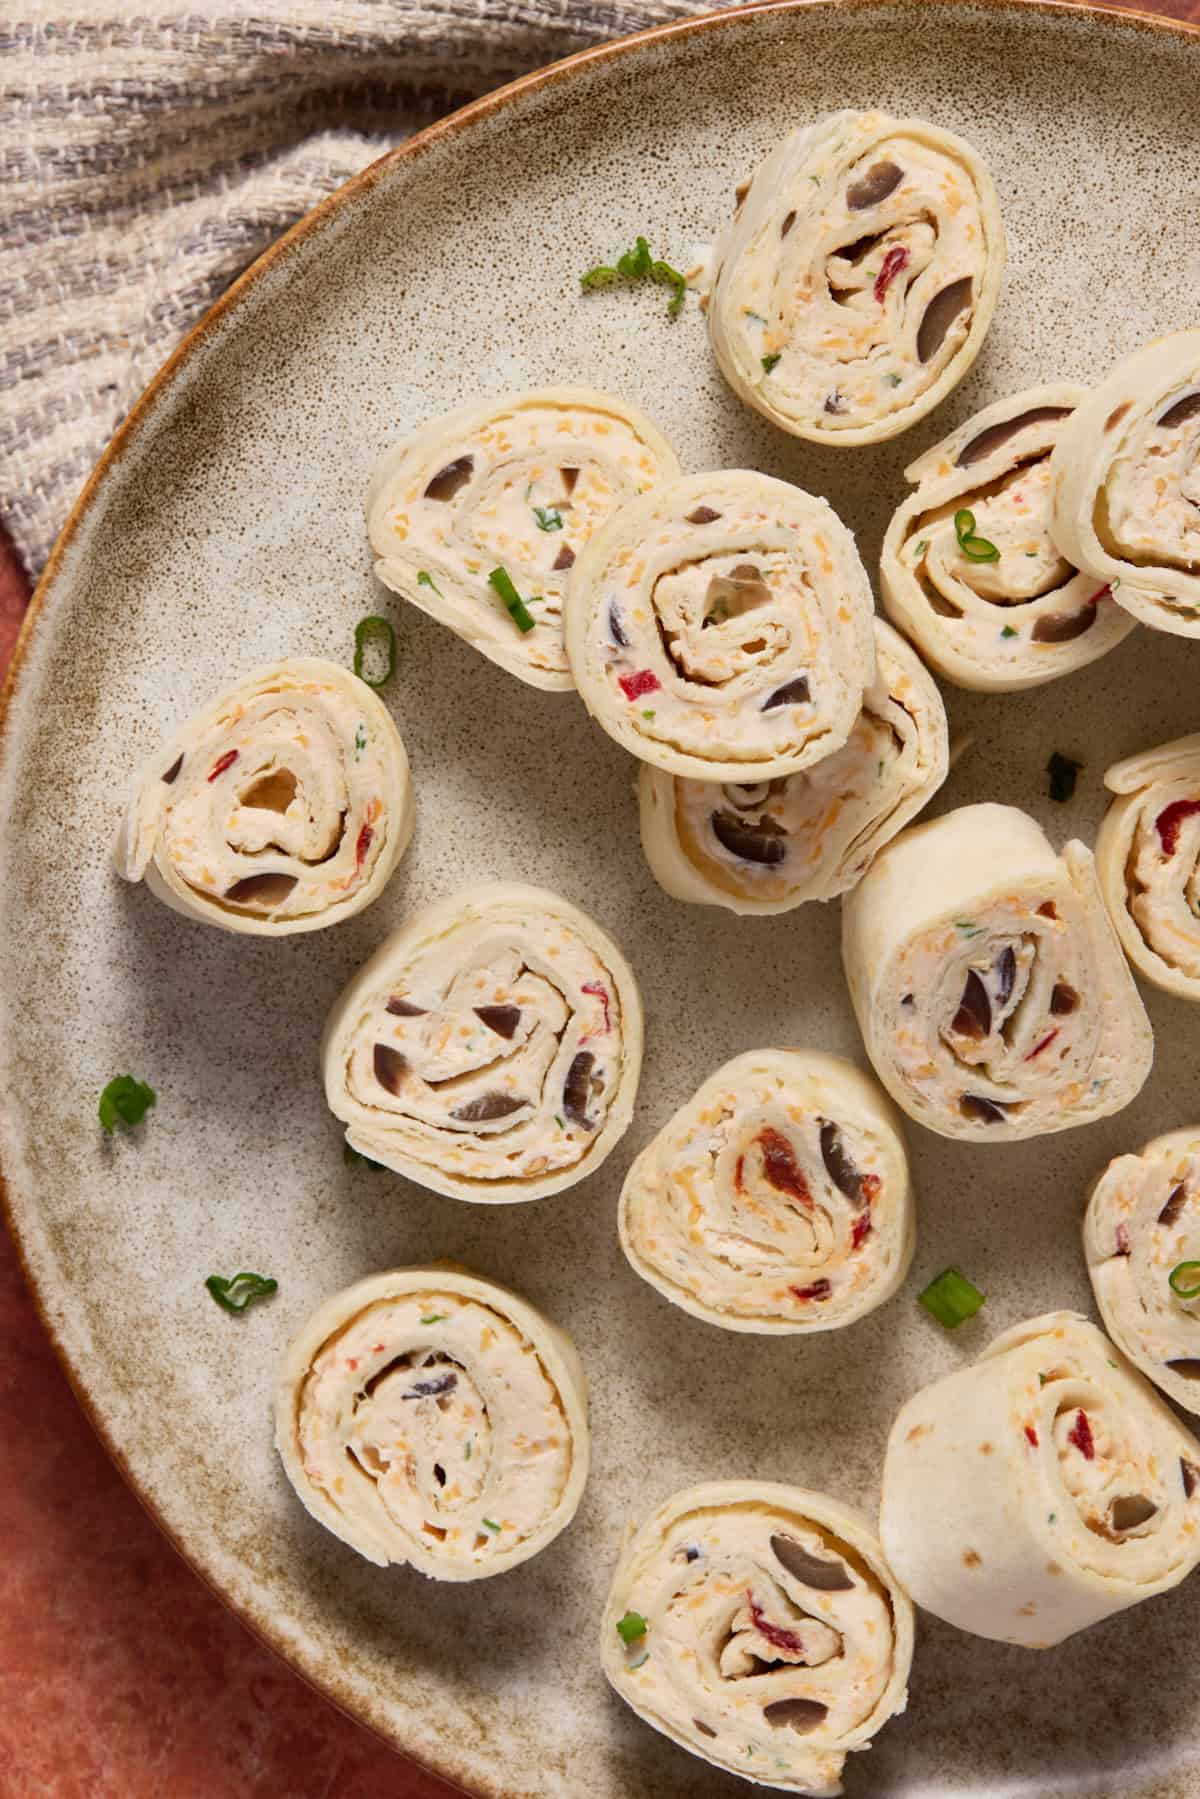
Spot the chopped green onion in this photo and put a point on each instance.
(1184, 1279)
(967, 928)
(1008, 631)
(240, 1290)
(951, 1298)
(490, 1524)
(1063, 772)
(467, 1450)
(435, 1317)
(378, 631)
(892, 379)
(647, 715)
(641, 1661)
(769, 362)
(638, 265)
(549, 518)
(921, 547)
(125, 1102)
(360, 741)
(425, 579)
(632, 1627)
(975, 549)
(558, 1121)
(518, 611)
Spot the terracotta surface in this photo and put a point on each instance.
(122, 1673)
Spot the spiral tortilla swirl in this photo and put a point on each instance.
(520, 483)
(428, 1417)
(776, 1639)
(777, 1199)
(490, 1049)
(283, 806)
(1143, 1219)
(1040, 1490)
(1148, 860)
(855, 283)
(1024, 616)
(1126, 484)
(988, 983)
(721, 626)
(767, 847)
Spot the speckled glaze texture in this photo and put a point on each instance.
(227, 532)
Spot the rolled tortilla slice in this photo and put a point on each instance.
(775, 1638)
(777, 1199)
(490, 1049)
(989, 985)
(772, 845)
(1148, 859)
(283, 806)
(997, 623)
(1126, 484)
(722, 625)
(430, 1417)
(1040, 1490)
(1143, 1219)
(521, 483)
(855, 283)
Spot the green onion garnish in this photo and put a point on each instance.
(240, 1290)
(951, 1298)
(435, 1317)
(425, 579)
(769, 362)
(975, 549)
(1007, 631)
(638, 265)
(378, 631)
(632, 1627)
(549, 518)
(893, 380)
(125, 1102)
(490, 1524)
(1184, 1279)
(518, 611)
(1063, 772)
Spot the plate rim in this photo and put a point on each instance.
(155, 394)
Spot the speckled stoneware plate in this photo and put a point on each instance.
(225, 530)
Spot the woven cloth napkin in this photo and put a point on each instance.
(147, 158)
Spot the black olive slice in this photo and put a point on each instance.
(576, 1088)
(446, 483)
(880, 180)
(792, 693)
(763, 841)
(390, 1067)
(1181, 411)
(986, 441)
(974, 1015)
(267, 890)
(940, 314)
(842, 1171)
(487, 1107)
(173, 770)
(801, 1715)
(1061, 627)
(501, 1019)
(404, 1008)
(983, 1111)
(826, 1576)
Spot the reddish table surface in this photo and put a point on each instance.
(121, 1675)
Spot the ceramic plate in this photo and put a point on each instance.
(224, 530)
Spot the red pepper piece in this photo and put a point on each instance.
(601, 994)
(738, 1182)
(1102, 593)
(1122, 1240)
(780, 1167)
(1167, 823)
(634, 686)
(818, 1290)
(362, 846)
(1032, 1435)
(893, 262)
(869, 1188)
(1039, 1047)
(860, 1229)
(774, 1633)
(226, 761)
(1080, 1434)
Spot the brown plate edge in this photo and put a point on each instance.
(316, 219)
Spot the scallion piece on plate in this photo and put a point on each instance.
(631, 1628)
(125, 1101)
(951, 1298)
(638, 265)
(378, 633)
(1184, 1279)
(500, 582)
(975, 549)
(240, 1290)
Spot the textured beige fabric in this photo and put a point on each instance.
(147, 157)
